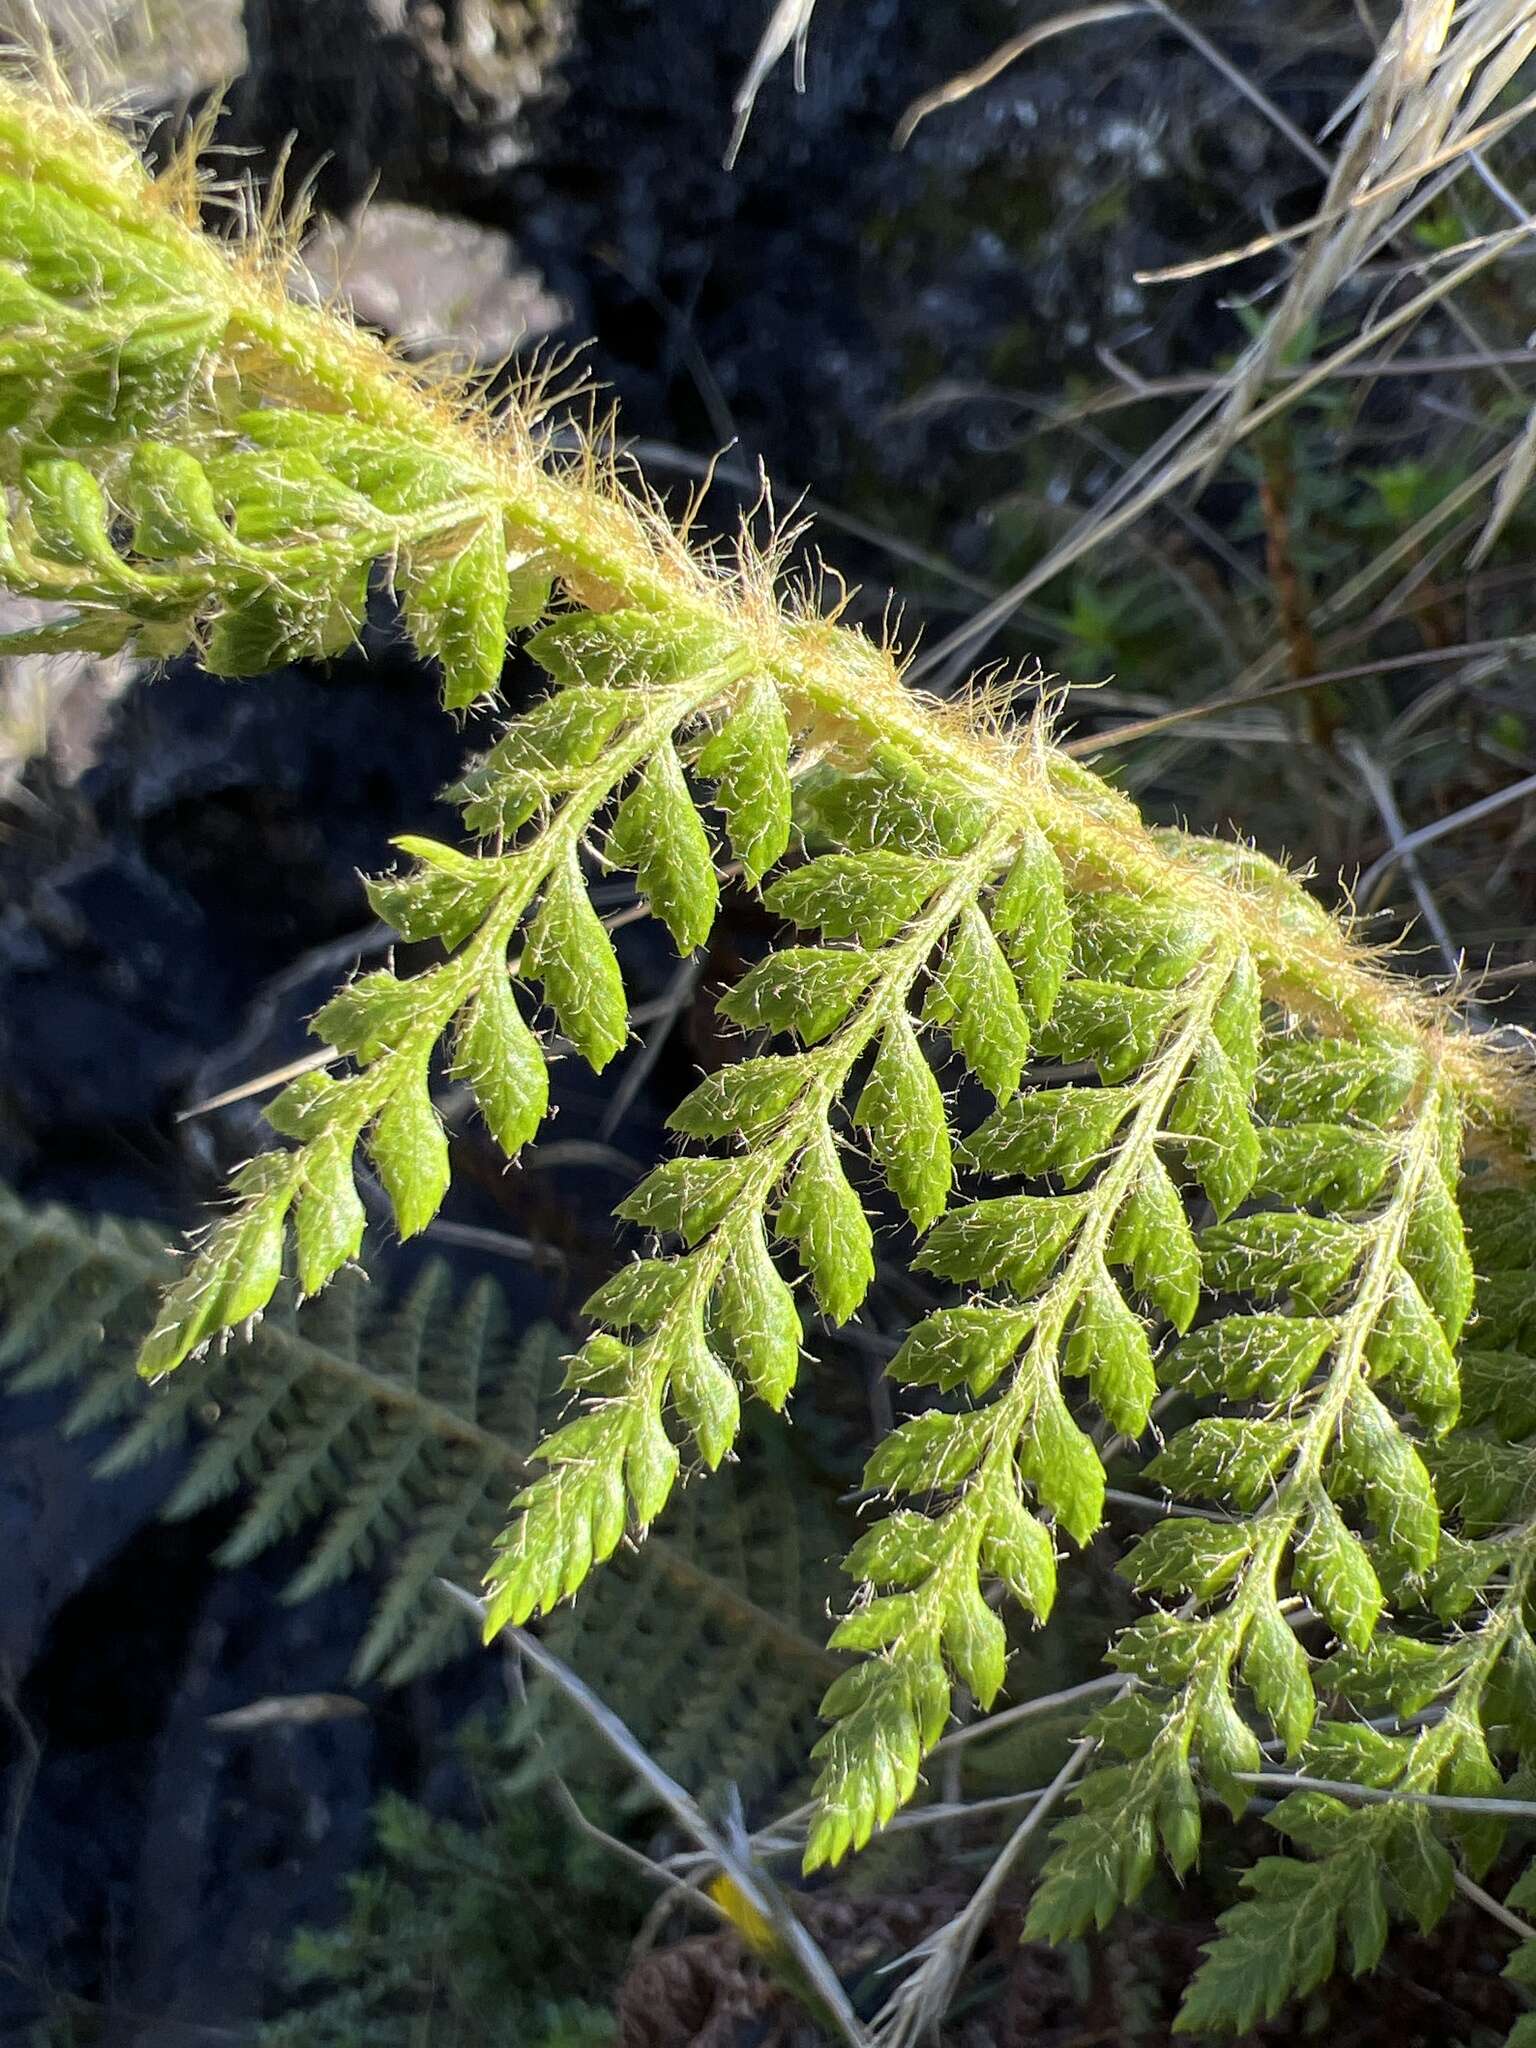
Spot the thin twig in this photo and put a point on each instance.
(754, 1883)
(1010, 1716)
(679, 993)
(1494, 1908)
(965, 83)
(25, 1778)
(924, 1997)
(789, 23)
(964, 645)
(1376, 1795)
(1469, 814)
(1237, 700)
(501, 1244)
(258, 1084)
(1179, 273)
(1380, 789)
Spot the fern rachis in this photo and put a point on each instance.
(192, 460)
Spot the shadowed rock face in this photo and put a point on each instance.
(413, 98)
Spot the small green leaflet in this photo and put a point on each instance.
(903, 1111)
(499, 1057)
(651, 1465)
(954, 1347)
(456, 610)
(638, 1295)
(410, 1149)
(1379, 1466)
(1102, 1857)
(171, 503)
(316, 1104)
(1152, 1236)
(235, 1272)
(1324, 1079)
(1060, 1462)
(975, 996)
(276, 494)
(1029, 913)
(1435, 1255)
(1161, 1649)
(373, 1014)
(902, 1550)
(1268, 1356)
(659, 834)
(1225, 1457)
(755, 1310)
(1118, 1028)
(571, 954)
(975, 1642)
(574, 1516)
(1226, 1747)
(264, 621)
(1012, 1238)
(884, 805)
(1151, 942)
(563, 732)
(705, 1394)
(1237, 1023)
(1332, 1568)
(1187, 1554)
(885, 1714)
(863, 896)
(1109, 1347)
(688, 1195)
(1211, 1115)
(628, 649)
(1281, 1252)
(749, 761)
(329, 1218)
(930, 1453)
(826, 1221)
(1050, 1130)
(747, 1099)
(444, 897)
(805, 989)
(1019, 1550)
(1339, 1165)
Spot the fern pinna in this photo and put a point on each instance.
(1227, 1167)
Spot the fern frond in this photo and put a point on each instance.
(1377, 1293)
(191, 459)
(1397, 1857)
(1453, 1671)
(391, 1432)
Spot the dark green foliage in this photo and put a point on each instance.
(509, 1934)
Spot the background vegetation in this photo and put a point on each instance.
(1340, 593)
